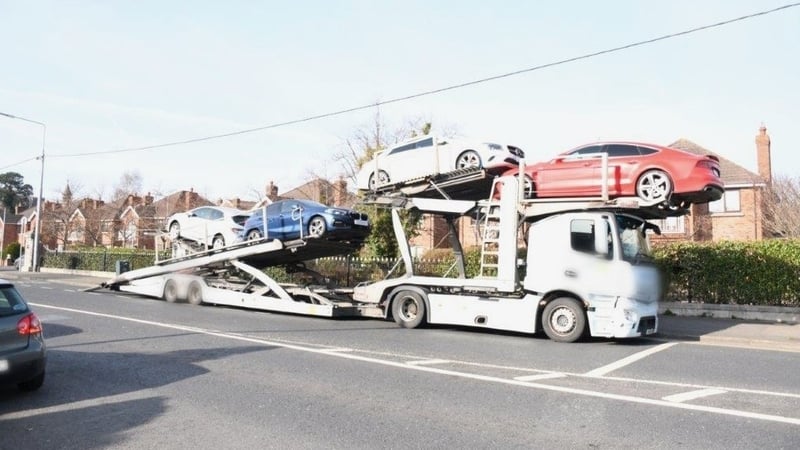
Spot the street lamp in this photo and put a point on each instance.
(36, 230)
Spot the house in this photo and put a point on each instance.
(9, 229)
(738, 215)
(142, 218)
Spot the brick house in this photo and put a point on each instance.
(738, 215)
(9, 229)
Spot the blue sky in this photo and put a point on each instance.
(111, 75)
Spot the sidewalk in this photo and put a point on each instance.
(762, 334)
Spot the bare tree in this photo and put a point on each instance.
(781, 205)
(129, 183)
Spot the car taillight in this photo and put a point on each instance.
(29, 325)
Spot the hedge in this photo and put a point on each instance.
(758, 273)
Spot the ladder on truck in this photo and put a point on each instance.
(490, 241)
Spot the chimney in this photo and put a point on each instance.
(763, 154)
(148, 199)
(237, 203)
(272, 191)
(340, 192)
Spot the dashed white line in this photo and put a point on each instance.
(541, 376)
(692, 395)
(600, 371)
(453, 373)
(423, 362)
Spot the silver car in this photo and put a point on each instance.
(213, 226)
(23, 354)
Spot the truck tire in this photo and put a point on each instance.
(564, 320)
(195, 293)
(408, 309)
(170, 291)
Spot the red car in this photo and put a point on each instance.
(650, 172)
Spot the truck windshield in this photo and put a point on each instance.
(635, 247)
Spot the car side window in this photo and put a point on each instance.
(615, 150)
(215, 214)
(647, 151)
(273, 209)
(202, 213)
(425, 143)
(585, 151)
(403, 148)
(288, 207)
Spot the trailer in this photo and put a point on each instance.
(569, 267)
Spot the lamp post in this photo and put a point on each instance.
(37, 229)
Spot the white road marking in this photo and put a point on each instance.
(453, 373)
(692, 395)
(338, 349)
(600, 371)
(422, 362)
(541, 376)
(64, 407)
(46, 287)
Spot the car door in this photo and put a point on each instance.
(197, 222)
(572, 174)
(407, 161)
(291, 219)
(624, 161)
(272, 229)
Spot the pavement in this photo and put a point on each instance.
(759, 334)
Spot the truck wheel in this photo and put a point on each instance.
(32, 384)
(170, 291)
(195, 293)
(408, 309)
(564, 320)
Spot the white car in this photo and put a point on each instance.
(212, 226)
(428, 155)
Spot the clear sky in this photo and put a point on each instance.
(120, 74)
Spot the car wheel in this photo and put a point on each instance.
(529, 191)
(563, 320)
(170, 291)
(316, 227)
(408, 309)
(254, 235)
(218, 242)
(469, 160)
(32, 384)
(381, 179)
(174, 230)
(654, 185)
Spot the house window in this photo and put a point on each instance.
(676, 225)
(729, 202)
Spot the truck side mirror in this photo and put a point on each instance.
(601, 244)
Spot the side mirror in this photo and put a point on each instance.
(651, 226)
(601, 244)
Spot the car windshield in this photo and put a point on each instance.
(635, 247)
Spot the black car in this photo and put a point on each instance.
(23, 352)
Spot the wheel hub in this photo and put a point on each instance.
(563, 320)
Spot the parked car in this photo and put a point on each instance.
(214, 226)
(428, 155)
(295, 219)
(23, 353)
(648, 171)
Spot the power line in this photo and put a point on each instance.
(18, 163)
(439, 90)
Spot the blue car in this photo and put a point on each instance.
(296, 219)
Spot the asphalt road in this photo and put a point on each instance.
(129, 372)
